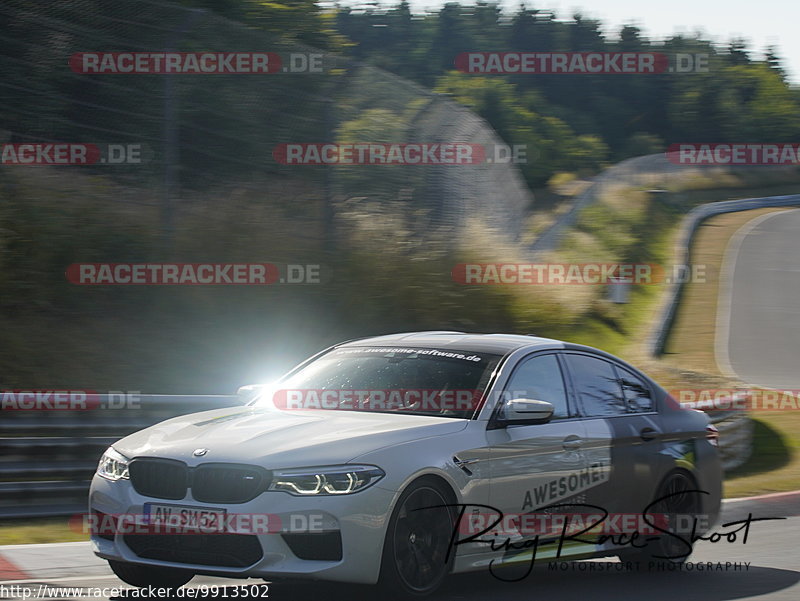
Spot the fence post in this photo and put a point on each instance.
(171, 142)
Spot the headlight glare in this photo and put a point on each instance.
(113, 466)
(328, 480)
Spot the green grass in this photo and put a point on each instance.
(774, 465)
(41, 530)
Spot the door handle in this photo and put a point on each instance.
(648, 434)
(572, 443)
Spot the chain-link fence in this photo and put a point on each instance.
(191, 132)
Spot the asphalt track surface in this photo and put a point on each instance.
(772, 572)
(759, 324)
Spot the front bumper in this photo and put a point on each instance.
(360, 519)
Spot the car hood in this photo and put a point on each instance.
(281, 439)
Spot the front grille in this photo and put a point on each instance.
(209, 482)
(228, 482)
(223, 550)
(324, 546)
(160, 478)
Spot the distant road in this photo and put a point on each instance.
(759, 336)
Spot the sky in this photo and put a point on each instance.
(762, 23)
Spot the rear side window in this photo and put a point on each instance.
(637, 393)
(597, 386)
(539, 378)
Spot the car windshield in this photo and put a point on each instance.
(423, 381)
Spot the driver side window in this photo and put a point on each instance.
(539, 378)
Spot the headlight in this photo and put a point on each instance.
(328, 480)
(113, 466)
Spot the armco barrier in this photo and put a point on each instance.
(691, 222)
(47, 458)
(735, 430)
(736, 437)
(735, 427)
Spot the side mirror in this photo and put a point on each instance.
(249, 392)
(518, 411)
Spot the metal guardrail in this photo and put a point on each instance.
(47, 458)
(625, 171)
(735, 427)
(736, 438)
(691, 222)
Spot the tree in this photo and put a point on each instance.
(774, 61)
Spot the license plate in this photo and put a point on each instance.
(184, 517)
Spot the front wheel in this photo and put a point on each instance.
(415, 559)
(142, 576)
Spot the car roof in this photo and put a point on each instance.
(463, 341)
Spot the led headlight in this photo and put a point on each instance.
(328, 480)
(113, 466)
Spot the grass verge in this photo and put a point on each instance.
(39, 530)
(774, 465)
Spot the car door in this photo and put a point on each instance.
(623, 432)
(533, 466)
